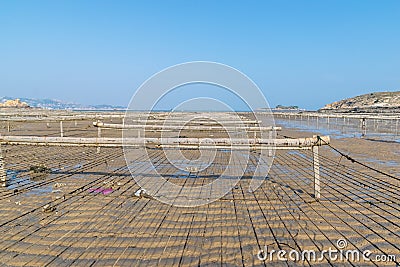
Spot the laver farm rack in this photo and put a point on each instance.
(67, 203)
(311, 143)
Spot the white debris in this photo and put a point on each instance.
(140, 193)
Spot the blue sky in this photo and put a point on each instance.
(305, 53)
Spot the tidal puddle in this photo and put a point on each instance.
(18, 180)
(336, 130)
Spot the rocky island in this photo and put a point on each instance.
(380, 102)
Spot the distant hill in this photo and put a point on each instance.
(57, 104)
(372, 102)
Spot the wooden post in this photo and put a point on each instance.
(363, 127)
(317, 188)
(270, 138)
(3, 173)
(99, 136)
(8, 126)
(61, 129)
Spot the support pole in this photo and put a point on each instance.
(61, 129)
(8, 126)
(317, 188)
(270, 135)
(99, 136)
(363, 127)
(3, 173)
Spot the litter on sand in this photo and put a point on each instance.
(47, 208)
(141, 193)
(104, 191)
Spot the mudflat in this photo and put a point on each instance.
(84, 211)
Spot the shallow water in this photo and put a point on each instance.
(336, 130)
(390, 163)
(16, 182)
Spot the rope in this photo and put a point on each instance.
(357, 161)
(343, 155)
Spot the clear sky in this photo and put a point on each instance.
(305, 53)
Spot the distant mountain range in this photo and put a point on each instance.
(57, 104)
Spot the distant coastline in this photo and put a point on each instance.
(54, 104)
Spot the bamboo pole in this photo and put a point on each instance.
(115, 142)
(3, 172)
(61, 129)
(363, 127)
(76, 117)
(190, 122)
(270, 138)
(317, 188)
(186, 127)
(98, 136)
